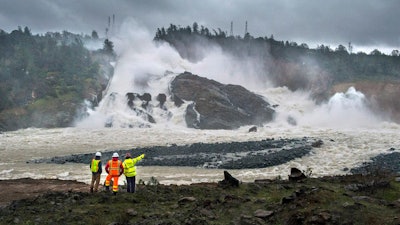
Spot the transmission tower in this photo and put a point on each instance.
(350, 48)
(110, 26)
(245, 29)
(231, 33)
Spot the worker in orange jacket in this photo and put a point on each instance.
(114, 169)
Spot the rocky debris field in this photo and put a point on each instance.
(384, 162)
(233, 155)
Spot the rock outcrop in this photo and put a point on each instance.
(219, 106)
(228, 181)
(296, 174)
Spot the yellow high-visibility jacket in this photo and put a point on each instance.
(95, 166)
(129, 165)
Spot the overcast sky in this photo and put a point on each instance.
(373, 23)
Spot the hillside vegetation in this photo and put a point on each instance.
(355, 199)
(287, 63)
(45, 78)
(283, 58)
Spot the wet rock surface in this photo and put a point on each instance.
(233, 155)
(389, 162)
(219, 106)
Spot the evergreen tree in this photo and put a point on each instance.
(95, 35)
(108, 47)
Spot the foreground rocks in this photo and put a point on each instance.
(309, 201)
(12, 190)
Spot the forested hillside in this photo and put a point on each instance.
(45, 78)
(288, 63)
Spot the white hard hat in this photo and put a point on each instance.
(98, 153)
(115, 155)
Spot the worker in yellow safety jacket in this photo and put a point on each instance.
(130, 171)
(114, 169)
(95, 168)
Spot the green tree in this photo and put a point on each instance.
(195, 28)
(341, 49)
(108, 47)
(95, 35)
(376, 52)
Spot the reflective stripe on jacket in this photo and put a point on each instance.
(94, 167)
(114, 167)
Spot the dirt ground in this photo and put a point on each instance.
(11, 190)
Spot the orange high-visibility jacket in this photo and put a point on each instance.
(114, 167)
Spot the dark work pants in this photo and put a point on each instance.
(130, 183)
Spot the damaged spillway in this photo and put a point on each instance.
(199, 102)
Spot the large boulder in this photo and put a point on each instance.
(228, 181)
(219, 106)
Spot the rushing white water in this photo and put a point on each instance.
(342, 148)
(351, 134)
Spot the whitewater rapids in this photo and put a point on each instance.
(342, 148)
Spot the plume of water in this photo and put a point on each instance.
(144, 66)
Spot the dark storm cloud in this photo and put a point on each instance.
(362, 22)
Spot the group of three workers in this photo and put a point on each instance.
(114, 168)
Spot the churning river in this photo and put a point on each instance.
(342, 148)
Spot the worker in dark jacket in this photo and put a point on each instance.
(95, 167)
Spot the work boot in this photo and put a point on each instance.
(114, 192)
(91, 190)
(107, 189)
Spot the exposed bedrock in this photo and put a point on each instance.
(219, 106)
